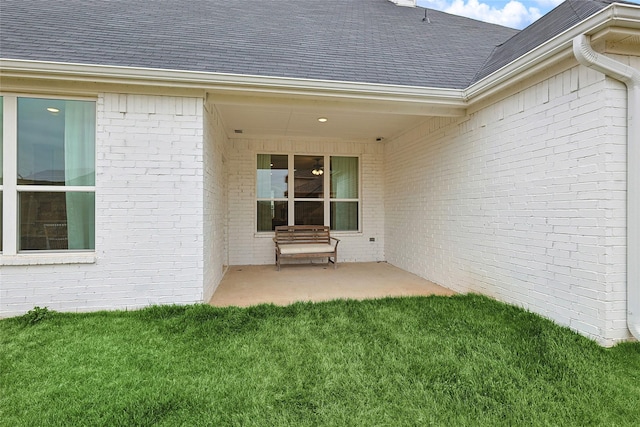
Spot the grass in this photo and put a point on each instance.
(463, 360)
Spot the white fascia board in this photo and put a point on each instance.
(453, 99)
(616, 14)
(230, 83)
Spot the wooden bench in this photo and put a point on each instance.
(305, 241)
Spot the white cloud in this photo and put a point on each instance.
(548, 3)
(511, 13)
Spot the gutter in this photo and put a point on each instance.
(231, 83)
(631, 78)
(535, 61)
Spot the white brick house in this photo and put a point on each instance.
(520, 183)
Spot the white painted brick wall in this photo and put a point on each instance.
(149, 215)
(523, 201)
(215, 202)
(246, 247)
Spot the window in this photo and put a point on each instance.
(49, 176)
(344, 193)
(294, 190)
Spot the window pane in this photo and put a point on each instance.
(57, 221)
(344, 177)
(309, 179)
(56, 142)
(309, 213)
(344, 216)
(270, 214)
(272, 176)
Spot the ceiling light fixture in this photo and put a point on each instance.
(53, 110)
(317, 169)
(323, 119)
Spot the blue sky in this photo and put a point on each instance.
(510, 13)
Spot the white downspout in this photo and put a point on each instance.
(631, 77)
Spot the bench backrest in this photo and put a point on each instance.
(302, 234)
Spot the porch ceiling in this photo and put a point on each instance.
(347, 118)
(292, 122)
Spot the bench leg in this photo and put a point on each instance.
(335, 260)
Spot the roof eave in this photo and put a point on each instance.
(419, 100)
(372, 96)
(616, 14)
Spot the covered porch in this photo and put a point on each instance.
(261, 156)
(258, 284)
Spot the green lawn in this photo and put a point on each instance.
(463, 360)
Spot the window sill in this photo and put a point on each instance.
(48, 258)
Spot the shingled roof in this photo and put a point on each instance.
(563, 17)
(371, 41)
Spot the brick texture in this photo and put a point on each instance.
(247, 247)
(215, 202)
(149, 215)
(523, 201)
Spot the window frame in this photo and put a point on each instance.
(10, 189)
(291, 199)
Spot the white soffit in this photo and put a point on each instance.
(260, 105)
(348, 118)
(295, 122)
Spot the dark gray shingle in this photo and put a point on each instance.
(563, 17)
(370, 41)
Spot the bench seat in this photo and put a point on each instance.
(305, 241)
(305, 248)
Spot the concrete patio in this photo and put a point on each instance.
(256, 284)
